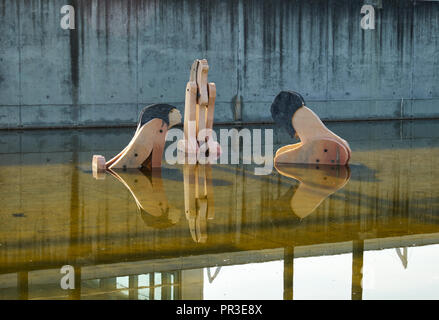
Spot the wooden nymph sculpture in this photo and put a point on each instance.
(199, 111)
(146, 147)
(317, 143)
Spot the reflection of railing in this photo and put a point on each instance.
(211, 277)
(151, 286)
(403, 256)
(143, 281)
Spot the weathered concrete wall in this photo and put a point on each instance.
(125, 54)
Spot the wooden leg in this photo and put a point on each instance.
(151, 135)
(309, 127)
(201, 122)
(190, 118)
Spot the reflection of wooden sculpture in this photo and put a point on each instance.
(146, 187)
(316, 184)
(198, 199)
(146, 147)
(199, 111)
(317, 143)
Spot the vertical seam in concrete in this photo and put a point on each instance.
(413, 59)
(74, 65)
(327, 48)
(137, 55)
(239, 54)
(20, 93)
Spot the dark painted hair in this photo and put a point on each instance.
(283, 108)
(153, 111)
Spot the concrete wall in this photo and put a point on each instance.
(125, 54)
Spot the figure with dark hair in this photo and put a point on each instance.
(146, 147)
(317, 143)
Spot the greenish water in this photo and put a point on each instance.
(370, 231)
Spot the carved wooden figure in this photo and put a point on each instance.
(317, 182)
(317, 143)
(199, 111)
(146, 147)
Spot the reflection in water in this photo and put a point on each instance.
(146, 187)
(316, 184)
(186, 231)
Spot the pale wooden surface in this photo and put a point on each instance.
(320, 151)
(309, 126)
(190, 118)
(200, 108)
(203, 69)
(211, 105)
(98, 163)
(317, 143)
(146, 140)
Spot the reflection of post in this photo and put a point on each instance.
(288, 273)
(403, 256)
(192, 284)
(75, 294)
(108, 284)
(166, 286)
(133, 283)
(23, 285)
(151, 286)
(177, 285)
(75, 221)
(357, 269)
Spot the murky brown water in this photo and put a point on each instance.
(370, 231)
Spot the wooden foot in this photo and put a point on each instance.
(98, 167)
(98, 163)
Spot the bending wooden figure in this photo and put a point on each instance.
(146, 147)
(199, 111)
(317, 143)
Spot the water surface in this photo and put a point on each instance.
(370, 231)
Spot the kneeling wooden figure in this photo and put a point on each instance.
(317, 143)
(146, 147)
